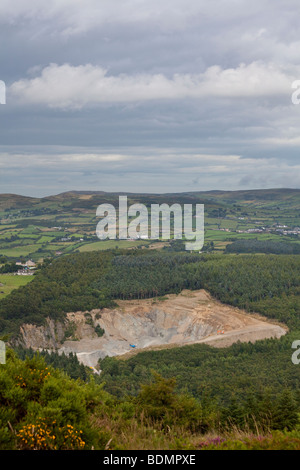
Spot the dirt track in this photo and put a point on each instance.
(191, 317)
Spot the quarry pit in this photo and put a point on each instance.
(175, 320)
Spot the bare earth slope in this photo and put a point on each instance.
(190, 317)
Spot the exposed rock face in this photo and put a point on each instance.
(48, 336)
(191, 317)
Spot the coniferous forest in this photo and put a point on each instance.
(266, 284)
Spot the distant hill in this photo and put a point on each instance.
(14, 201)
(281, 196)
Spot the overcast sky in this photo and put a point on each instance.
(149, 95)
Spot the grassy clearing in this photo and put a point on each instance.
(11, 282)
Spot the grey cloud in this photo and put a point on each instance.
(145, 170)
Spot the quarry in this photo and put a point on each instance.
(148, 324)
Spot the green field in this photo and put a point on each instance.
(45, 239)
(9, 282)
(111, 244)
(19, 251)
(28, 235)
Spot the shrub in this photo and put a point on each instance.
(42, 408)
(100, 331)
(160, 403)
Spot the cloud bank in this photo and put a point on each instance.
(68, 86)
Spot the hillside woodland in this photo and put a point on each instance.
(244, 396)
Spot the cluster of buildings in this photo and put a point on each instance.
(284, 230)
(26, 269)
(252, 230)
(280, 229)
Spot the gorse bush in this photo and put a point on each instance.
(42, 435)
(42, 408)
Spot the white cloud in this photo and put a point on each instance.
(74, 87)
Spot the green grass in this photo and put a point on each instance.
(76, 235)
(57, 246)
(30, 229)
(9, 233)
(72, 247)
(225, 236)
(32, 236)
(26, 241)
(111, 244)
(18, 251)
(11, 282)
(231, 224)
(54, 234)
(45, 239)
(5, 226)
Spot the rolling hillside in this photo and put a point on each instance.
(65, 223)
